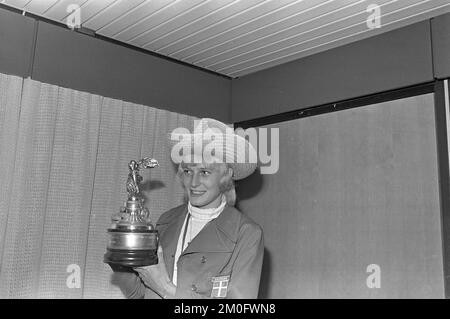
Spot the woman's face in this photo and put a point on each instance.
(202, 184)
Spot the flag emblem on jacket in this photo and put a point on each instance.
(220, 286)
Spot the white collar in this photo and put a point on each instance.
(206, 214)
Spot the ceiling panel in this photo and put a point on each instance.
(134, 17)
(343, 22)
(282, 30)
(110, 14)
(157, 19)
(200, 23)
(40, 7)
(16, 3)
(92, 8)
(176, 25)
(236, 37)
(233, 30)
(58, 11)
(390, 21)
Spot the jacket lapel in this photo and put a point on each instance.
(169, 238)
(219, 235)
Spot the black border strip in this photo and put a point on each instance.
(444, 179)
(92, 34)
(339, 106)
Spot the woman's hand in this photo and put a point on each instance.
(157, 278)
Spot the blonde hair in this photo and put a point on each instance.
(226, 184)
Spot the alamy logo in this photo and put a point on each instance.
(374, 19)
(73, 20)
(374, 279)
(74, 278)
(215, 144)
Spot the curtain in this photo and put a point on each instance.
(10, 99)
(64, 156)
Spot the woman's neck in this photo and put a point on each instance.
(207, 213)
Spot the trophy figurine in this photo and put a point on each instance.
(133, 240)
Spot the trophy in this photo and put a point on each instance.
(133, 240)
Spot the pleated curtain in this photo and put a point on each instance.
(63, 167)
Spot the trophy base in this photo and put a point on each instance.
(131, 258)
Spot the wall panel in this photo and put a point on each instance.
(440, 27)
(354, 188)
(76, 61)
(16, 43)
(392, 60)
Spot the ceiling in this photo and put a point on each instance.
(236, 37)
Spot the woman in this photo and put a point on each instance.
(208, 249)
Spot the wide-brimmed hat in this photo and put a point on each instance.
(214, 141)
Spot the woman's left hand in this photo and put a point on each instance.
(157, 278)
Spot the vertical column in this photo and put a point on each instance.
(442, 111)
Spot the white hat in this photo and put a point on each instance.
(214, 141)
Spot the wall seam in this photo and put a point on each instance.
(33, 49)
(432, 48)
(86, 252)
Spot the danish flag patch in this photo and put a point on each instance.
(220, 286)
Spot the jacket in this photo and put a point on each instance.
(224, 260)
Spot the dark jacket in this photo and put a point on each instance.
(228, 248)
